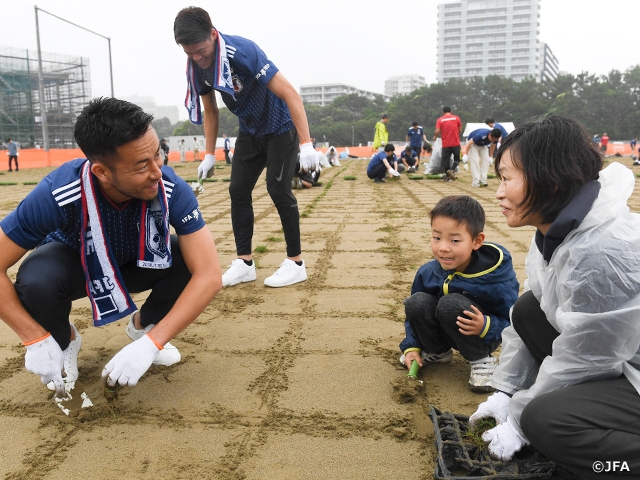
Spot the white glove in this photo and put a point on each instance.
(496, 406)
(465, 158)
(504, 441)
(308, 158)
(45, 358)
(206, 167)
(394, 173)
(382, 144)
(130, 363)
(197, 188)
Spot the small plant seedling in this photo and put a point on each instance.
(434, 176)
(304, 214)
(226, 179)
(474, 434)
(190, 180)
(491, 175)
(29, 183)
(8, 183)
(261, 249)
(211, 180)
(349, 177)
(416, 177)
(273, 238)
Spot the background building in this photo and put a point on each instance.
(491, 37)
(549, 66)
(402, 84)
(324, 94)
(67, 89)
(148, 104)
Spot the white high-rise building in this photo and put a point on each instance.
(477, 38)
(402, 84)
(325, 93)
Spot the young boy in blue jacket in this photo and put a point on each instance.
(462, 298)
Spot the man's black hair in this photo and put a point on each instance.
(414, 124)
(496, 133)
(489, 120)
(556, 157)
(106, 124)
(385, 115)
(389, 147)
(192, 25)
(408, 148)
(463, 209)
(446, 109)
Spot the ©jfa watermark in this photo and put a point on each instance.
(610, 466)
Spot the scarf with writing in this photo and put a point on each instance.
(109, 297)
(221, 80)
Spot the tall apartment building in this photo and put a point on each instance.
(489, 37)
(402, 84)
(324, 94)
(549, 66)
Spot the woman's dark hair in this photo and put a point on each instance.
(106, 124)
(556, 157)
(192, 25)
(463, 209)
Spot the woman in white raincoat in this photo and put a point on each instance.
(569, 372)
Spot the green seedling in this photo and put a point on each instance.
(8, 183)
(226, 179)
(261, 249)
(491, 175)
(274, 239)
(416, 177)
(211, 180)
(474, 434)
(434, 176)
(29, 183)
(349, 177)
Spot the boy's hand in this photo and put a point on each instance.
(410, 357)
(472, 325)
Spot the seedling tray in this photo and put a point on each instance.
(460, 459)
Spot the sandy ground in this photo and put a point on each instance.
(291, 383)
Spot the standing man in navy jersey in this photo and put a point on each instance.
(273, 128)
(415, 137)
(100, 228)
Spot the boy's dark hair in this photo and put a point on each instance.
(106, 124)
(389, 148)
(557, 157)
(385, 115)
(414, 124)
(446, 109)
(496, 133)
(408, 148)
(489, 120)
(462, 209)
(192, 25)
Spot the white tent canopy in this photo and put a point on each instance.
(508, 126)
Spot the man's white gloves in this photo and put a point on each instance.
(496, 406)
(130, 363)
(308, 158)
(465, 158)
(504, 441)
(206, 167)
(197, 188)
(393, 172)
(45, 358)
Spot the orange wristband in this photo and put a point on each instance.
(26, 344)
(160, 347)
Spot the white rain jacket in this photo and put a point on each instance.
(590, 293)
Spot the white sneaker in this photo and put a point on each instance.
(167, 356)
(70, 360)
(288, 274)
(443, 357)
(239, 272)
(481, 371)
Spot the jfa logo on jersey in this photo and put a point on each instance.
(237, 84)
(193, 215)
(263, 72)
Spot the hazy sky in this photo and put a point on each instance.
(358, 42)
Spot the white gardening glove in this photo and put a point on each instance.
(197, 188)
(504, 441)
(130, 363)
(394, 172)
(206, 167)
(45, 358)
(496, 406)
(465, 158)
(308, 158)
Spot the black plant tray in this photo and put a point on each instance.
(464, 461)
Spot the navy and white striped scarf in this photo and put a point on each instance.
(107, 292)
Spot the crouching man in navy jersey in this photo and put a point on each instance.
(100, 228)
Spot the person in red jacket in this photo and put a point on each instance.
(604, 142)
(449, 127)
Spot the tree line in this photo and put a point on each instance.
(606, 103)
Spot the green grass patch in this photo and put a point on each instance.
(349, 177)
(491, 175)
(304, 214)
(261, 249)
(474, 434)
(177, 166)
(415, 177)
(638, 175)
(226, 179)
(433, 176)
(273, 238)
(29, 183)
(210, 180)
(190, 180)
(8, 183)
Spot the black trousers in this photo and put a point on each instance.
(51, 277)
(226, 157)
(418, 150)
(579, 425)
(379, 171)
(446, 158)
(434, 323)
(279, 154)
(15, 158)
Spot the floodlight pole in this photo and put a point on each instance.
(43, 110)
